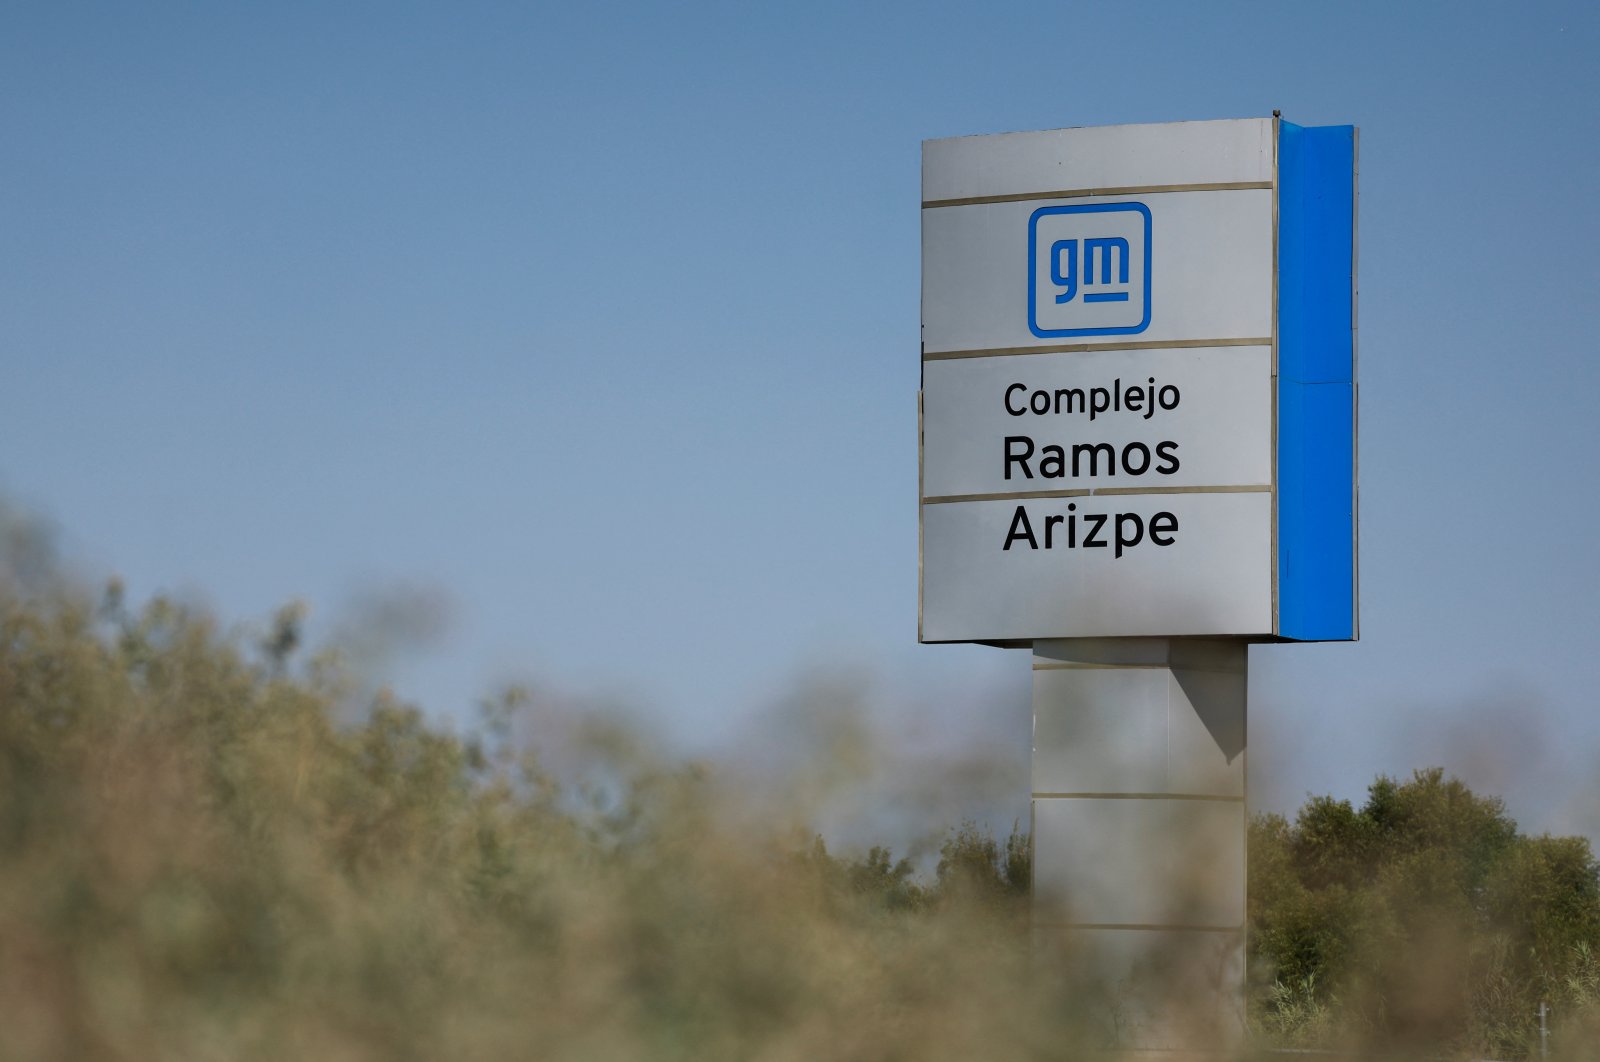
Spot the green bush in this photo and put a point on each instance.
(1421, 920)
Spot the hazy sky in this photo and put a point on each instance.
(600, 321)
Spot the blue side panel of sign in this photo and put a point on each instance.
(1316, 383)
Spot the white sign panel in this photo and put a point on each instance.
(1190, 417)
(1101, 441)
(1118, 157)
(999, 275)
(1081, 567)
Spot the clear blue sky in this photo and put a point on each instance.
(602, 319)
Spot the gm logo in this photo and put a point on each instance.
(1089, 270)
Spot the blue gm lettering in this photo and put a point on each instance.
(1089, 270)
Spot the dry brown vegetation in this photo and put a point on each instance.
(203, 856)
(198, 861)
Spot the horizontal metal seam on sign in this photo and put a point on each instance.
(1085, 348)
(1234, 488)
(1065, 665)
(1072, 665)
(1026, 495)
(1140, 796)
(1080, 193)
(1097, 492)
(1143, 926)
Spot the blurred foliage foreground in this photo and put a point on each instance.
(204, 856)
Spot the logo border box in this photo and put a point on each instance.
(1033, 293)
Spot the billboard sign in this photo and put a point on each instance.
(1138, 383)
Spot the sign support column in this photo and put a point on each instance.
(1139, 830)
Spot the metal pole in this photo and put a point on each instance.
(1544, 1031)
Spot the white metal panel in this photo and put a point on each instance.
(1171, 989)
(1205, 732)
(1221, 424)
(1136, 730)
(1140, 862)
(1215, 577)
(1210, 254)
(1120, 651)
(1125, 156)
(1100, 730)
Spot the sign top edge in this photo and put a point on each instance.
(1187, 123)
(1225, 151)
